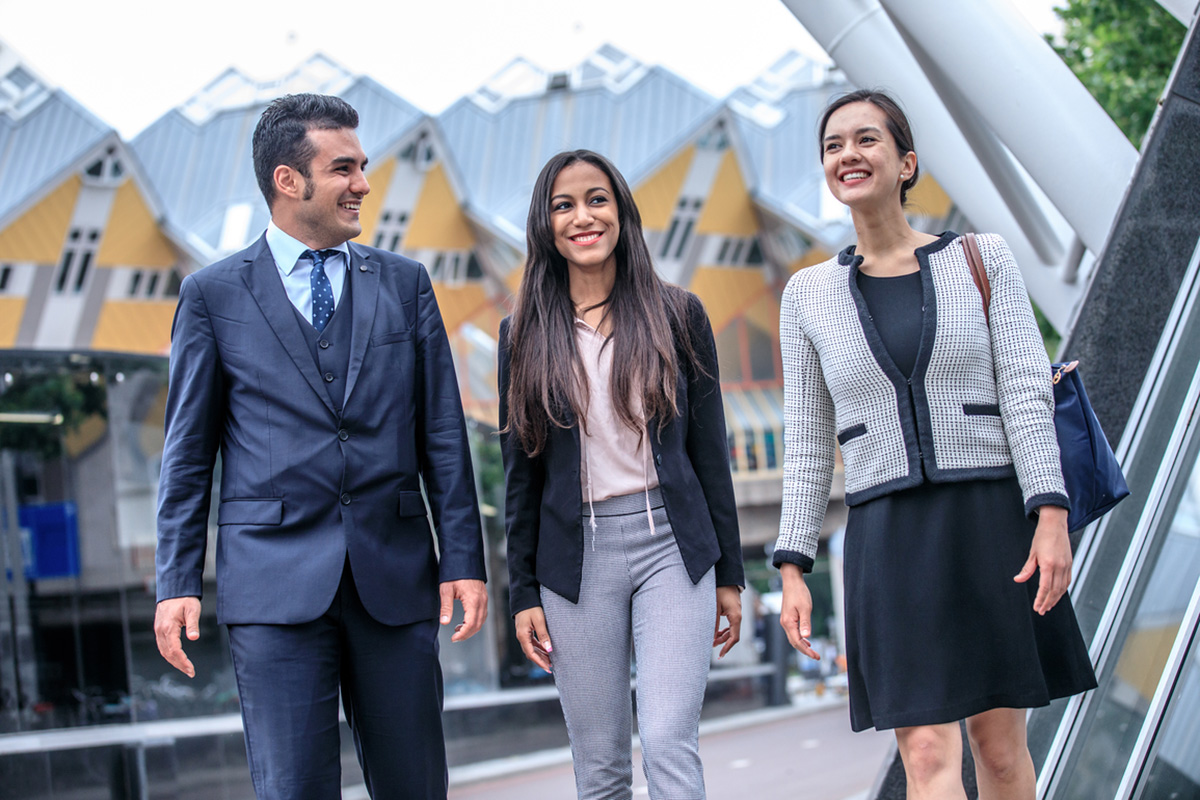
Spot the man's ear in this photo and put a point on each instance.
(288, 182)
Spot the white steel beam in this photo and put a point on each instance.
(1182, 10)
(1019, 87)
(862, 41)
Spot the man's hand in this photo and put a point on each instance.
(170, 616)
(796, 613)
(473, 596)
(1050, 555)
(729, 606)
(534, 636)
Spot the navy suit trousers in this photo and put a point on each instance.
(289, 677)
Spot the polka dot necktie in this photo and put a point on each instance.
(322, 292)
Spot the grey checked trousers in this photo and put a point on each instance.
(635, 590)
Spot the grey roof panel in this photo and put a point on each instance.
(41, 144)
(631, 127)
(201, 170)
(383, 116)
(785, 156)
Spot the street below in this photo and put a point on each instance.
(814, 756)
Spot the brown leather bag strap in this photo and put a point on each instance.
(978, 273)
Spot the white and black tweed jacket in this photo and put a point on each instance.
(979, 404)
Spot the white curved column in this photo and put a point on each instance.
(862, 41)
(1182, 10)
(1018, 86)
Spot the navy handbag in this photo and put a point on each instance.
(1094, 481)
(1093, 477)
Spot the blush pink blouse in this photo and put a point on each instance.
(615, 460)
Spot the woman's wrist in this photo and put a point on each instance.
(1052, 519)
(791, 572)
(1052, 513)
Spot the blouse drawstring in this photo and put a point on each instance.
(587, 467)
(645, 479)
(643, 444)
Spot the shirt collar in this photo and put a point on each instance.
(287, 250)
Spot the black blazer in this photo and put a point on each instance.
(544, 499)
(303, 484)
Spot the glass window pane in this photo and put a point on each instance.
(1143, 643)
(1174, 767)
(1107, 552)
(78, 498)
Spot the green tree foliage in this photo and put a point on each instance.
(1122, 51)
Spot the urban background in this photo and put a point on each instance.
(98, 228)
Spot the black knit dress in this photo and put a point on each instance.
(936, 628)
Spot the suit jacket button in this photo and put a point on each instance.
(329, 377)
(362, 267)
(324, 344)
(345, 498)
(343, 435)
(658, 459)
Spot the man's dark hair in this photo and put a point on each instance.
(281, 136)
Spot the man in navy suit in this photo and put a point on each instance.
(321, 372)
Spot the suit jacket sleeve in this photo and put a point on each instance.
(524, 480)
(443, 447)
(195, 417)
(708, 446)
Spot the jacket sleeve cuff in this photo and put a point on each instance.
(1047, 499)
(805, 563)
(730, 573)
(523, 598)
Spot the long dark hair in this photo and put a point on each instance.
(647, 317)
(897, 125)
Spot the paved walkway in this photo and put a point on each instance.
(803, 752)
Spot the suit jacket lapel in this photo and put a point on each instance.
(364, 271)
(262, 279)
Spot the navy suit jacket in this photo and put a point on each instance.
(302, 486)
(544, 499)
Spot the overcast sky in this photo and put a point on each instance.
(130, 61)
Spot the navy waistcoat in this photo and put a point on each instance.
(331, 347)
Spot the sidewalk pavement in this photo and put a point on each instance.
(805, 751)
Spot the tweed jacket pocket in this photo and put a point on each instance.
(981, 409)
(855, 431)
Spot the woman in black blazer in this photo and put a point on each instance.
(619, 508)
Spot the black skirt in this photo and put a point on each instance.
(936, 628)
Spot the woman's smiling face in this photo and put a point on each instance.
(584, 215)
(862, 165)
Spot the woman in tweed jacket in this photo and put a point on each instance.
(956, 555)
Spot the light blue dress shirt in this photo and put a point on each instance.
(296, 274)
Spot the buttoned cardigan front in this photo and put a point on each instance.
(978, 405)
